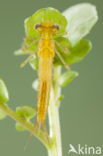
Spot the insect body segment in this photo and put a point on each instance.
(45, 54)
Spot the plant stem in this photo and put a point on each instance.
(28, 125)
(54, 122)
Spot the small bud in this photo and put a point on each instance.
(2, 113)
(4, 97)
(26, 112)
(19, 127)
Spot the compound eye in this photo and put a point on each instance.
(37, 26)
(56, 26)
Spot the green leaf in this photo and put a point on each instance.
(19, 127)
(2, 113)
(35, 85)
(61, 97)
(67, 77)
(81, 18)
(27, 112)
(46, 14)
(79, 51)
(4, 97)
(76, 53)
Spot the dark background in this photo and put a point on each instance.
(81, 110)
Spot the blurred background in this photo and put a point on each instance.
(81, 111)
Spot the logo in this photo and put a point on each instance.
(85, 149)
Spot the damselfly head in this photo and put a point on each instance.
(47, 27)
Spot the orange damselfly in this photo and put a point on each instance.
(46, 53)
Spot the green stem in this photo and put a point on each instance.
(54, 122)
(28, 125)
